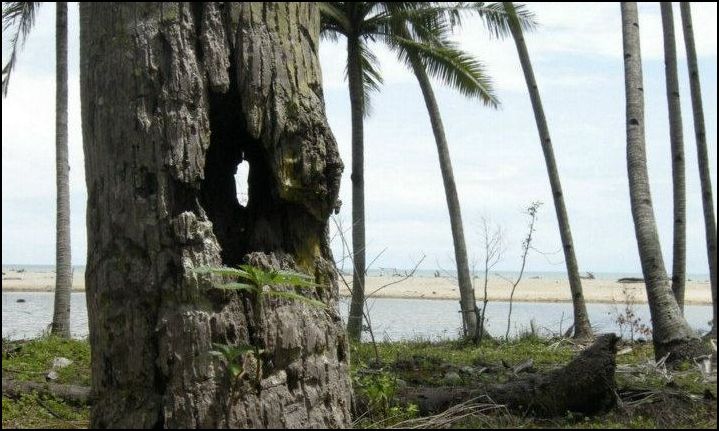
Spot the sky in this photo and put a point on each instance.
(497, 159)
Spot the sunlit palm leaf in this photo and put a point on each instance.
(452, 66)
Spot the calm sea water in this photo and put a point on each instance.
(424, 273)
(392, 319)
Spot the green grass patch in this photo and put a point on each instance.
(30, 361)
(681, 396)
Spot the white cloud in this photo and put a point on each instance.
(498, 163)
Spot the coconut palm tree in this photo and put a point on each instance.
(582, 327)
(679, 261)
(418, 33)
(710, 226)
(21, 16)
(671, 333)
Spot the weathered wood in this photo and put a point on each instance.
(174, 97)
(15, 388)
(585, 385)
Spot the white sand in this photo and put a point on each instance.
(28, 281)
(529, 290)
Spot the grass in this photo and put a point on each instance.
(678, 398)
(30, 361)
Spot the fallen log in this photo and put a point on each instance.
(15, 388)
(585, 385)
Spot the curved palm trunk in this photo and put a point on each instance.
(174, 96)
(354, 72)
(63, 263)
(582, 327)
(702, 154)
(677, 143)
(466, 290)
(671, 333)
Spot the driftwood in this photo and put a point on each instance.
(630, 280)
(585, 385)
(588, 276)
(15, 388)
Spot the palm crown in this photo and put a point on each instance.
(421, 31)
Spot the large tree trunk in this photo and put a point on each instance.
(354, 75)
(671, 332)
(582, 327)
(63, 260)
(710, 226)
(677, 144)
(174, 96)
(466, 290)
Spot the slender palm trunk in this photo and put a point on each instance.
(702, 154)
(671, 332)
(354, 72)
(582, 327)
(63, 267)
(679, 262)
(466, 291)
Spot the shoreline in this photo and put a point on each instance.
(529, 290)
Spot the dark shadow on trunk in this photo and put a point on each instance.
(266, 223)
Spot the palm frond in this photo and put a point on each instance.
(371, 77)
(450, 65)
(22, 16)
(495, 17)
(333, 18)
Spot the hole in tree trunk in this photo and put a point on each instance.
(224, 192)
(239, 192)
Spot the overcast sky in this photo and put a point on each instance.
(496, 155)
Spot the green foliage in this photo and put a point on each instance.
(30, 360)
(419, 32)
(234, 355)
(379, 390)
(259, 283)
(264, 282)
(35, 411)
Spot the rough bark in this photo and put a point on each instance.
(15, 389)
(677, 149)
(354, 74)
(174, 96)
(582, 326)
(466, 290)
(585, 385)
(671, 333)
(705, 177)
(63, 260)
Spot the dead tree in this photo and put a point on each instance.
(174, 97)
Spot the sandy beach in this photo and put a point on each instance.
(529, 290)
